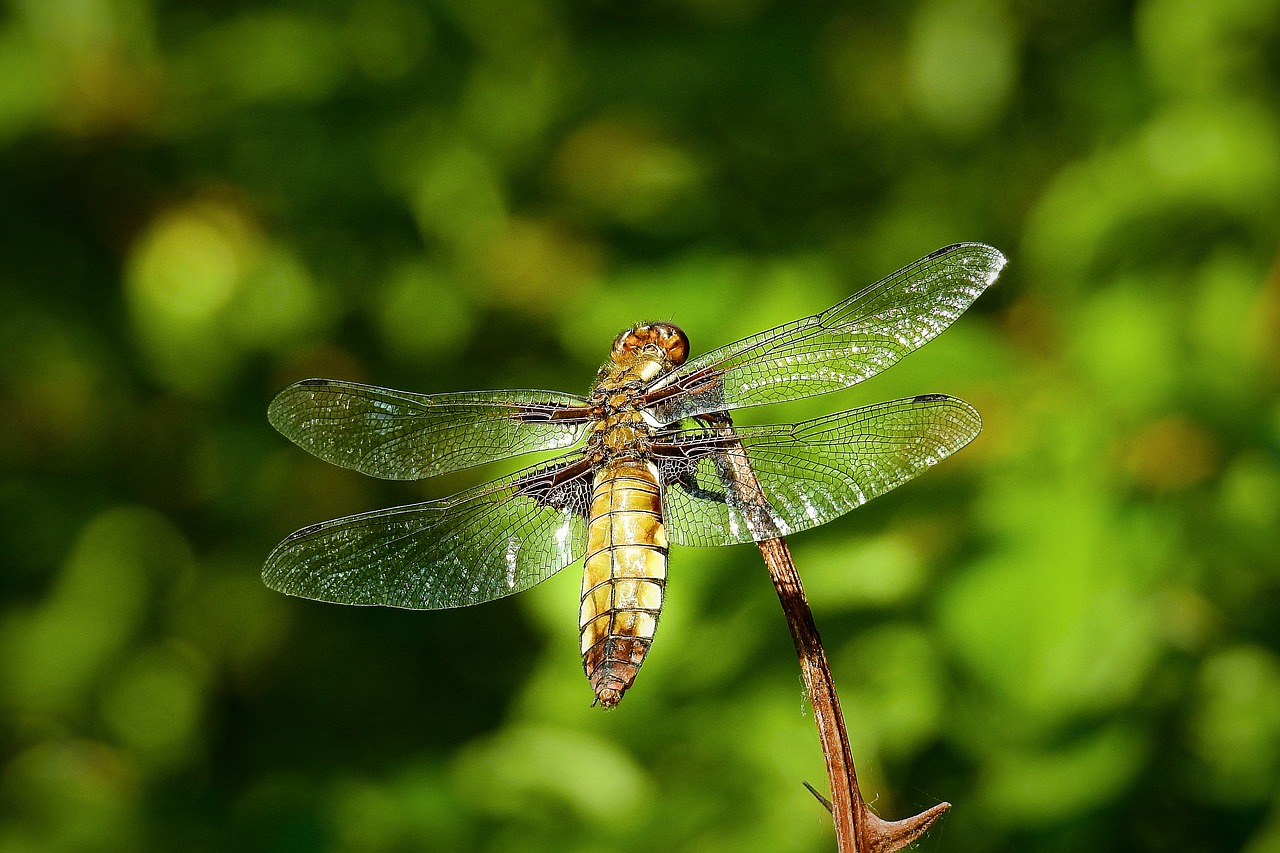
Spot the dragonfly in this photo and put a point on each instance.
(654, 460)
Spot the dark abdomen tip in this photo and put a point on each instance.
(609, 697)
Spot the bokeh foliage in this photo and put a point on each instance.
(1070, 630)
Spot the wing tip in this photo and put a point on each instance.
(281, 568)
(278, 414)
(273, 576)
(994, 260)
(963, 408)
(310, 385)
(290, 578)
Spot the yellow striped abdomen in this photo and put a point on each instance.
(624, 576)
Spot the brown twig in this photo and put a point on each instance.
(858, 829)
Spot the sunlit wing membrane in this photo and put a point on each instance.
(840, 347)
(810, 472)
(476, 546)
(399, 435)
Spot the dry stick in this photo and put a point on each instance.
(858, 829)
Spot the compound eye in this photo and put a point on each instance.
(675, 342)
(625, 341)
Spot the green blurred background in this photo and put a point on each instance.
(1069, 630)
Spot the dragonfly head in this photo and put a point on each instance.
(658, 341)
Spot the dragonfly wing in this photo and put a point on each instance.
(808, 473)
(476, 546)
(398, 435)
(838, 348)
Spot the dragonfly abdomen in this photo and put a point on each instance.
(624, 576)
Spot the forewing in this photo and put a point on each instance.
(476, 546)
(398, 435)
(838, 348)
(808, 473)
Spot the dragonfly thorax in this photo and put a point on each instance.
(640, 354)
(623, 434)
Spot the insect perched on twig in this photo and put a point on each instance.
(656, 463)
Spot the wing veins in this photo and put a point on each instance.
(403, 435)
(812, 471)
(835, 346)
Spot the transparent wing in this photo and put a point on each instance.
(476, 546)
(840, 347)
(398, 435)
(809, 473)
